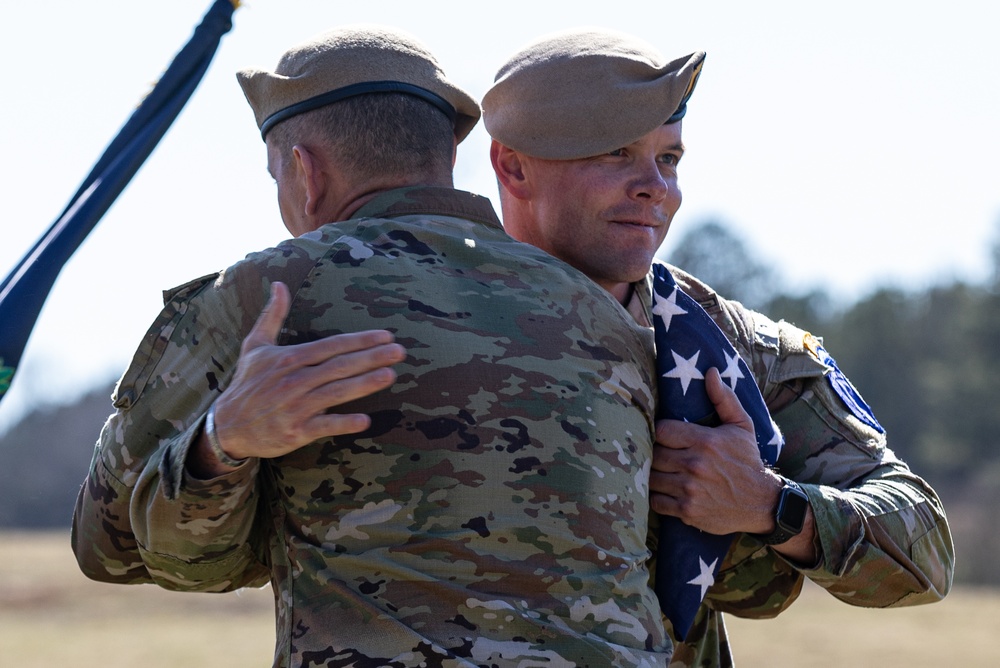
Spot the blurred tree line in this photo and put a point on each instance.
(922, 360)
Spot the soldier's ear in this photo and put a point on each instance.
(314, 177)
(509, 168)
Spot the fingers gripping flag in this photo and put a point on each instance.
(688, 344)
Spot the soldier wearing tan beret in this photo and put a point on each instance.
(586, 128)
(489, 507)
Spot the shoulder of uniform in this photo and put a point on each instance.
(184, 291)
(734, 319)
(693, 286)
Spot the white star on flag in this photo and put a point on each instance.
(684, 550)
(777, 440)
(704, 579)
(685, 370)
(667, 308)
(732, 372)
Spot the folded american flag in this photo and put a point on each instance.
(688, 343)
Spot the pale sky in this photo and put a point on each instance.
(852, 144)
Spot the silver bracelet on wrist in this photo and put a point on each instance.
(213, 442)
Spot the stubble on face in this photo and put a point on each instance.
(607, 215)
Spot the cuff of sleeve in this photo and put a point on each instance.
(840, 530)
(227, 573)
(178, 482)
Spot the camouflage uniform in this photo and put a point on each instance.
(494, 514)
(883, 536)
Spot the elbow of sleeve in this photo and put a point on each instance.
(105, 550)
(922, 576)
(94, 567)
(934, 555)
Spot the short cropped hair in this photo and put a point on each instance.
(376, 134)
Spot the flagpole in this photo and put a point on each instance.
(24, 291)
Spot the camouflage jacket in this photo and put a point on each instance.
(495, 513)
(883, 534)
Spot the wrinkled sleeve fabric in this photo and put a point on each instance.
(146, 417)
(139, 517)
(883, 535)
(882, 530)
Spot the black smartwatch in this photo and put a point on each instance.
(790, 516)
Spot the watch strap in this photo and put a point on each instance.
(791, 493)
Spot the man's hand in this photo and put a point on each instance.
(713, 478)
(278, 398)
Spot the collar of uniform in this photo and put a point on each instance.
(640, 302)
(430, 200)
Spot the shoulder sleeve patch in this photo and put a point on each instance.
(841, 386)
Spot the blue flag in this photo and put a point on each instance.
(23, 292)
(688, 344)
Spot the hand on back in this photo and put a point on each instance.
(279, 396)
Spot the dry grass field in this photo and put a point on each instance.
(50, 615)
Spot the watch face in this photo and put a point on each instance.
(792, 509)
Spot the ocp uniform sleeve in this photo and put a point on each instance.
(136, 495)
(206, 535)
(882, 529)
(884, 537)
(102, 536)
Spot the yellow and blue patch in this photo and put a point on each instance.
(841, 386)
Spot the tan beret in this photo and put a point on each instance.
(580, 93)
(350, 61)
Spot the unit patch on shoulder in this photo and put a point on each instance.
(841, 385)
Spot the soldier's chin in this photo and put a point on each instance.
(639, 266)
